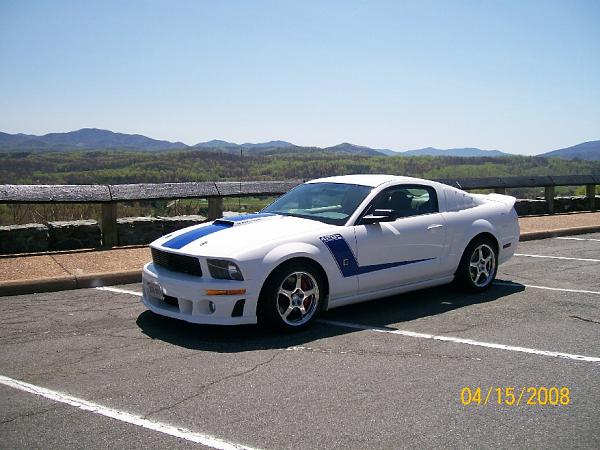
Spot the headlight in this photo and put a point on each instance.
(224, 270)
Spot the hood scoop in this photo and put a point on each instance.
(224, 222)
(242, 219)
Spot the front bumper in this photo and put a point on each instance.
(187, 299)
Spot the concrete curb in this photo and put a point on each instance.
(33, 286)
(109, 278)
(20, 287)
(534, 235)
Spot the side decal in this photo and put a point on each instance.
(346, 261)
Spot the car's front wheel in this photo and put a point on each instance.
(291, 297)
(479, 265)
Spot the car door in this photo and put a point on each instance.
(404, 251)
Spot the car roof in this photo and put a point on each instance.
(369, 180)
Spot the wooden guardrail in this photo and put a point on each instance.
(110, 195)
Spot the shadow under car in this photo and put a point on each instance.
(378, 313)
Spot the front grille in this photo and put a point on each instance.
(177, 263)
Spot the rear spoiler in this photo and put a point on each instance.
(507, 200)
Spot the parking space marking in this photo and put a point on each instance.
(577, 239)
(119, 291)
(558, 257)
(183, 433)
(458, 340)
(577, 291)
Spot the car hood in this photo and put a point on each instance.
(232, 236)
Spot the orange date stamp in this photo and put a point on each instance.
(516, 396)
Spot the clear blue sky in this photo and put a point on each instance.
(519, 76)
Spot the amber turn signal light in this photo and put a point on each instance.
(225, 291)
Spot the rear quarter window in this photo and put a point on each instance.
(458, 200)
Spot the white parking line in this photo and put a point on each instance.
(458, 340)
(577, 239)
(191, 436)
(578, 291)
(120, 291)
(557, 257)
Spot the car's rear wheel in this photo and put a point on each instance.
(291, 297)
(479, 265)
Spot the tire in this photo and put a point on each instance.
(291, 297)
(478, 266)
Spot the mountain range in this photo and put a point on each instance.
(465, 152)
(589, 151)
(86, 138)
(96, 139)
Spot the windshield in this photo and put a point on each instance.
(330, 203)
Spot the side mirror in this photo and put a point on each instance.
(379, 215)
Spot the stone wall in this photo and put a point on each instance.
(79, 234)
(529, 207)
(138, 230)
(28, 238)
(74, 234)
(143, 230)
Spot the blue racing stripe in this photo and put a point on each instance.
(184, 239)
(375, 267)
(347, 263)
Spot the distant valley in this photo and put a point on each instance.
(97, 139)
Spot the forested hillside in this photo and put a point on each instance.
(103, 167)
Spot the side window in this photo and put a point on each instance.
(407, 200)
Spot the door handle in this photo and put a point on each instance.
(435, 226)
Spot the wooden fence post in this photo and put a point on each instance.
(549, 193)
(590, 192)
(215, 208)
(108, 226)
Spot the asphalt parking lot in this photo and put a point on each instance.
(93, 368)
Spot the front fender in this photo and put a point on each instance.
(286, 252)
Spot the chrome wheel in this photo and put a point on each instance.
(297, 298)
(482, 265)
